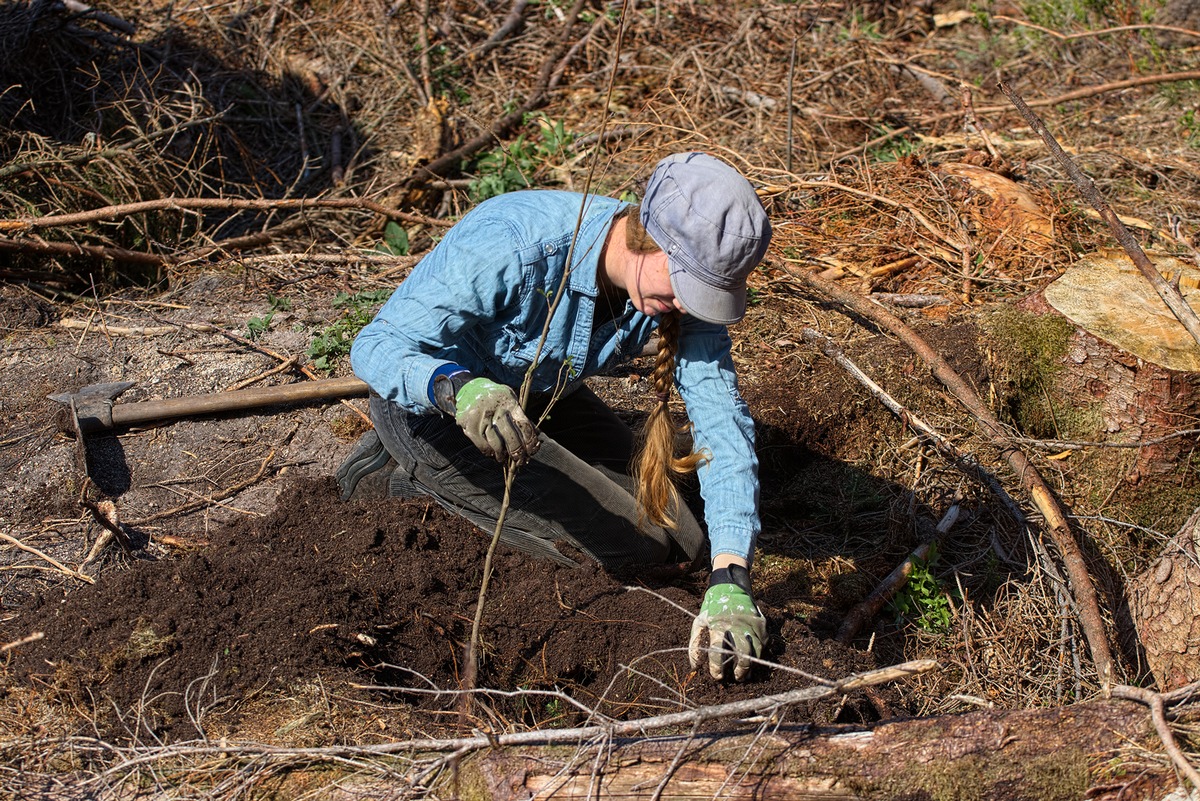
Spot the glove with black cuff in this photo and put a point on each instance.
(735, 628)
(489, 414)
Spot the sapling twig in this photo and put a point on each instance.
(472, 662)
(511, 468)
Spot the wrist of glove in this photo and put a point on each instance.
(446, 389)
(730, 622)
(492, 418)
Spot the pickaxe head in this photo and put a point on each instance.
(88, 410)
(91, 407)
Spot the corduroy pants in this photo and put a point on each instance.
(576, 490)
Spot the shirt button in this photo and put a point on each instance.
(551, 248)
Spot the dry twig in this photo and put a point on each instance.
(27, 225)
(1157, 703)
(210, 500)
(1087, 187)
(1082, 586)
(965, 463)
(628, 728)
(59, 566)
(1067, 37)
(34, 637)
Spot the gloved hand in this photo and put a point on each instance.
(735, 627)
(494, 421)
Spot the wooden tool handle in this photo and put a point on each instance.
(124, 414)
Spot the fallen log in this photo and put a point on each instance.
(1080, 751)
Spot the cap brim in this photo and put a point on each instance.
(719, 306)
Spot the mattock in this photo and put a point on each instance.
(91, 409)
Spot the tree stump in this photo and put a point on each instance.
(1164, 601)
(1106, 361)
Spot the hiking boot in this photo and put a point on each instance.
(400, 485)
(368, 456)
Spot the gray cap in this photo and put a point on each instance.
(706, 217)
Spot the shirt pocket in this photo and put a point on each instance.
(522, 332)
(556, 367)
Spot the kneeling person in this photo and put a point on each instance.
(447, 354)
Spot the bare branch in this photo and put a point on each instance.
(1157, 704)
(109, 213)
(1087, 188)
(59, 566)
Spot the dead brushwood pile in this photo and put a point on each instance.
(978, 462)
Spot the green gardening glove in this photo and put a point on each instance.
(735, 627)
(492, 418)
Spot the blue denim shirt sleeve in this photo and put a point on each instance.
(455, 289)
(722, 427)
(482, 296)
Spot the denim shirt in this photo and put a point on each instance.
(481, 297)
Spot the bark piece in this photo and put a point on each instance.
(1164, 601)
(1008, 204)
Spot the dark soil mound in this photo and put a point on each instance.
(380, 592)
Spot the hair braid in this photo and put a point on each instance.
(657, 466)
(637, 238)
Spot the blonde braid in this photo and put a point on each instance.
(657, 467)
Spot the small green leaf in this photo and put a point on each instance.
(396, 238)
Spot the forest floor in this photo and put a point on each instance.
(255, 605)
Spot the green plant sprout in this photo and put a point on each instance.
(1191, 127)
(334, 342)
(511, 167)
(395, 240)
(257, 326)
(893, 149)
(860, 27)
(922, 599)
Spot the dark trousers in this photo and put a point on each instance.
(576, 489)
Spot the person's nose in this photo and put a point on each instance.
(679, 305)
